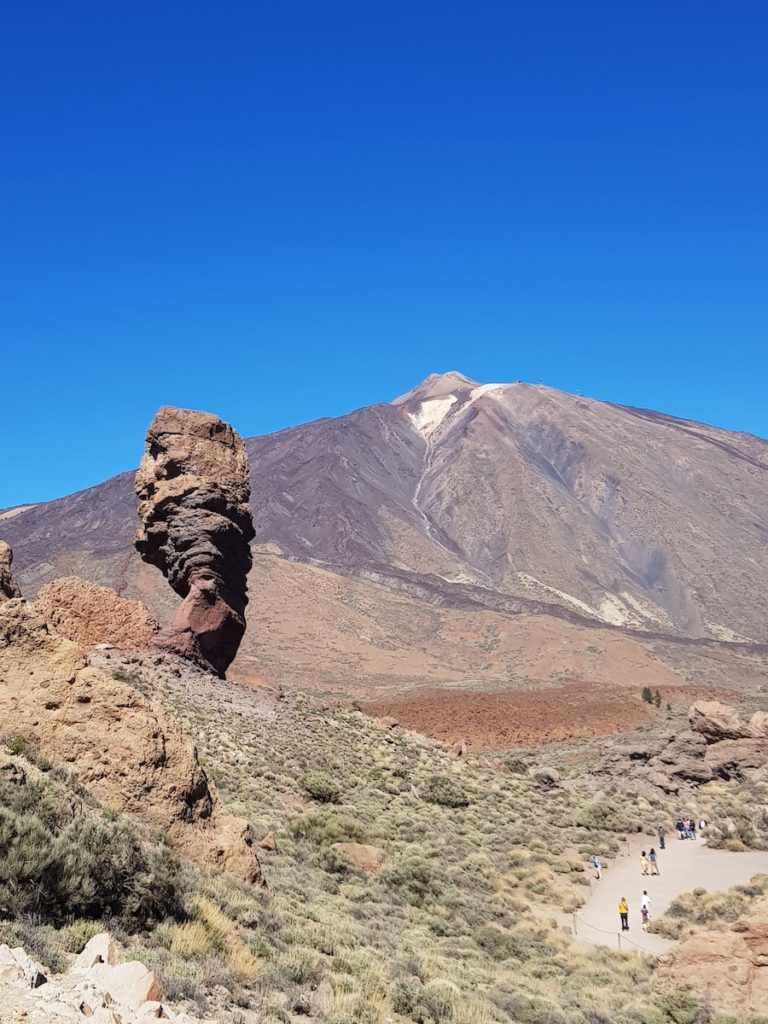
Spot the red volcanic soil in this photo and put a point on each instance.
(491, 720)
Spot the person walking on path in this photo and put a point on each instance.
(624, 913)
(680, 829)
(662, 845)
(598, 867)
(654, 861)
(645, 917)
(644, 863)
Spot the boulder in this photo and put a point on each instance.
(8, 587)
(728, 967)
(196, 527)
(716, 721)
(732, 759)
(268, 843)
(662, 781)
(91, 615)
(758, 725)
(129, 985)
(361, 856)
(101, 949)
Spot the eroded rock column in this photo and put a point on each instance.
(196, 527)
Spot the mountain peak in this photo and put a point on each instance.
(437, 385)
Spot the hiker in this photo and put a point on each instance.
(645, 917)
(598, 867)
(645, 902)
(687, 828)
(693, 829)
(662, 845)
(624, 913)
(702, 824)
(644, 863)
(654, 861)
(679, 827)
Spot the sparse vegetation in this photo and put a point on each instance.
(58, 861)
(453, 929)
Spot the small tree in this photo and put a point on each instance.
(647, 695)
(657, 699)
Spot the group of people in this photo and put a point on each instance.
(645, 911)
(686, 827)
(649, 865)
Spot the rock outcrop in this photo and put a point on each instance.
(91, 615)
(719, 745)
(196, 527)
(101, 986)
(8, 586)
(728, 967)
(125, 750)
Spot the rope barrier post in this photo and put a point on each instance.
(574, 923)
(618, 936)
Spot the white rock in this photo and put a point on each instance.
(101, 949)
(130, 984)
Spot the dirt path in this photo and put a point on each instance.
(685, 865)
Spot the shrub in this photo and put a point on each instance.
(414, 879)
(326, 826)
(57, 863)
(320, 787)
(441, 789)
(500, 945)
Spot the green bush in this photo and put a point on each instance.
(501, 945)
(441, 789)
(58, 863)
(414, 879)
(326, 826)
(320, 787)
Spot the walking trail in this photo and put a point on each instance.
(685, 865)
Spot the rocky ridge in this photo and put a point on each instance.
(718, 745)
(123, 748)
(89, 614)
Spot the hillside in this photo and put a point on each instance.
(473, 536)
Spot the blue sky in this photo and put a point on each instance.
(282, 211)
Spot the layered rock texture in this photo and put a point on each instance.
(125, 750)
(727, 967)
(8, 586)
(719, 745)
(91, 615)
(196, 527)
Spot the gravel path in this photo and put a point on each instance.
(685, 865)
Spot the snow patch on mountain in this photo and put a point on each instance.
(429, 415)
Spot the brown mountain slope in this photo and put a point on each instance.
(483, 536)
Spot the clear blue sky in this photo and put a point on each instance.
(279, 211)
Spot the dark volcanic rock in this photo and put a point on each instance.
(8, 585)
(196, 527)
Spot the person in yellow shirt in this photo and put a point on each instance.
(624, 914)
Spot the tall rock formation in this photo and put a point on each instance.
(196, 527)
(8, 585)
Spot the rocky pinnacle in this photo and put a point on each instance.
(8, 585)
(196, 527)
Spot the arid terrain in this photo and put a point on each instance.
(392, 771)
(493, 539)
